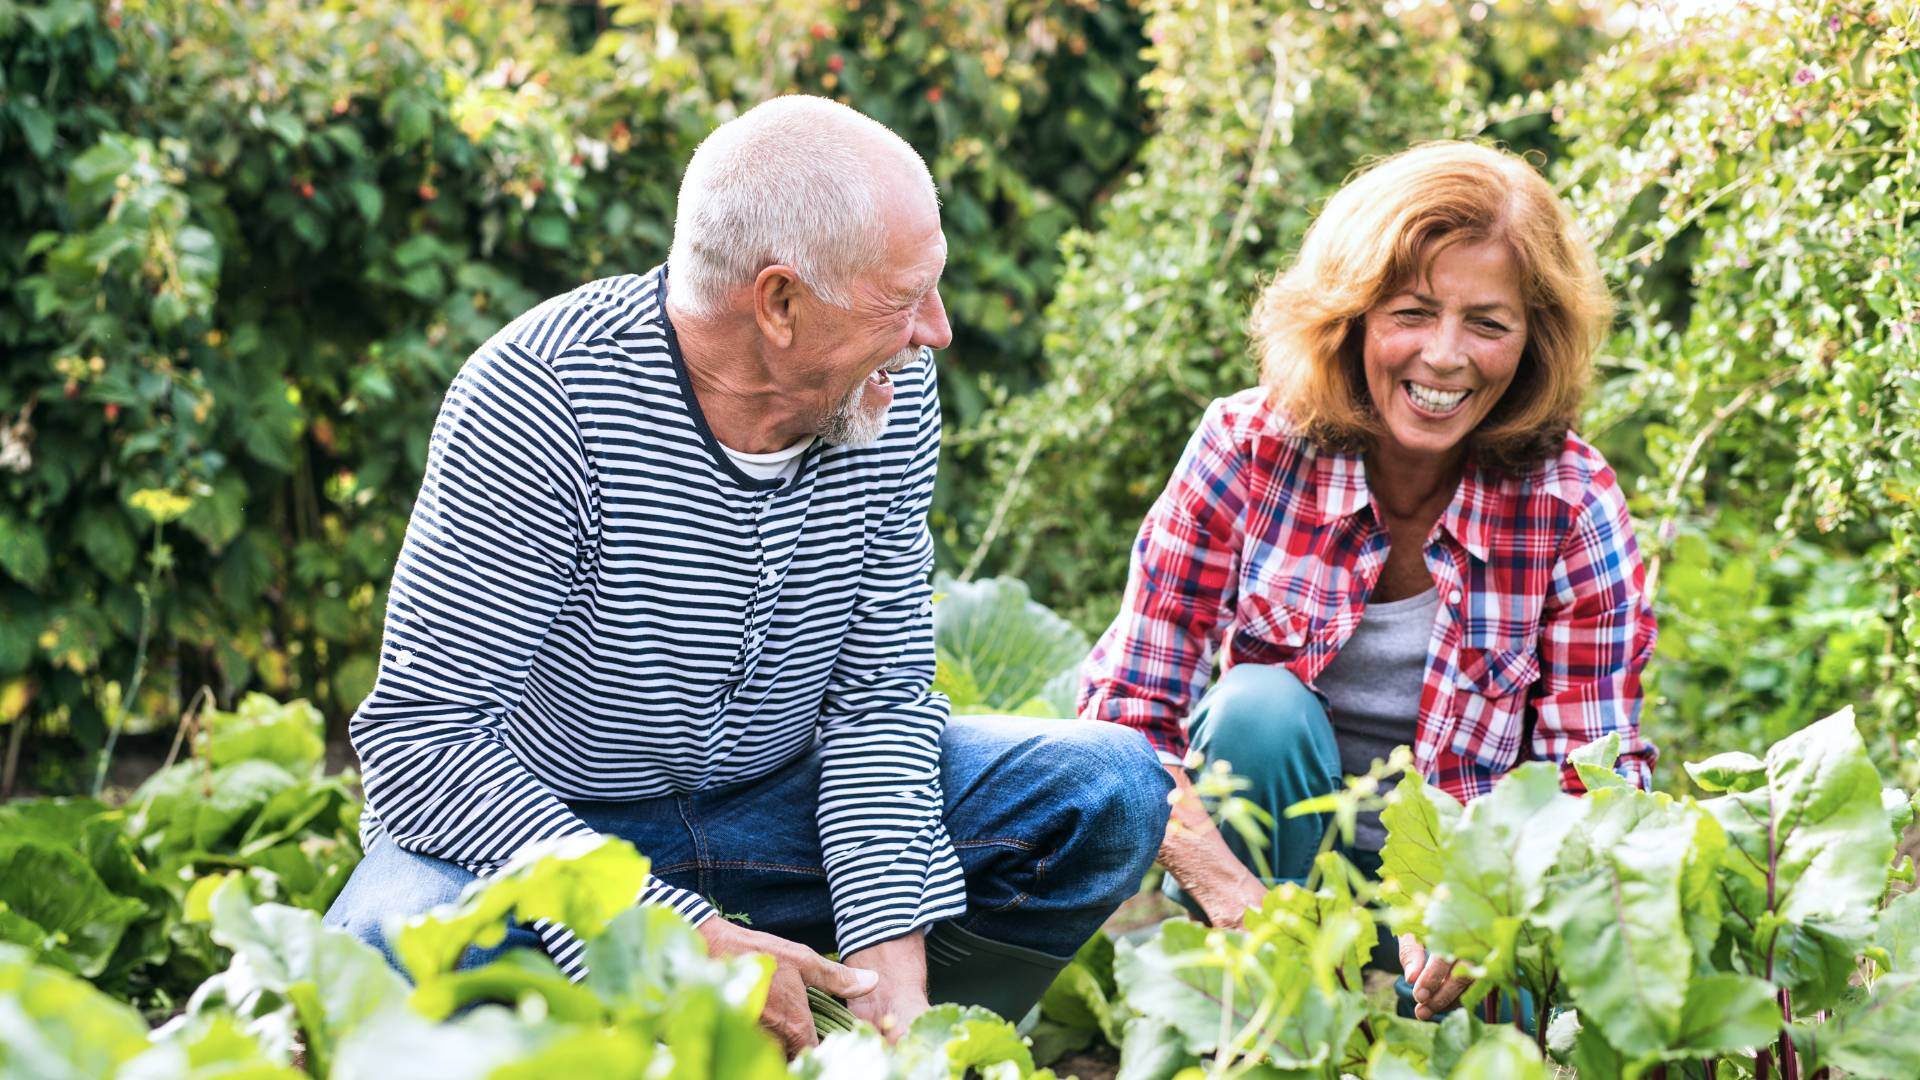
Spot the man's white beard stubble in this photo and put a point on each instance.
(852, 423)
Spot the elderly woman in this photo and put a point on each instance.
(1395, 538)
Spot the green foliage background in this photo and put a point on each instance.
(243, 247)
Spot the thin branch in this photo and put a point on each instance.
(1694, 449)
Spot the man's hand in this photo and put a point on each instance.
(796, 967)
(901, 964)
(1435, 987)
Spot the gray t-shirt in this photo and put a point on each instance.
(1373, 690)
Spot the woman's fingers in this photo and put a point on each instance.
(1435, 986)
(1432, 977)
(1413, 957)
(1450, 992)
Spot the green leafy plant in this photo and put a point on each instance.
(998, 651)
(102, 891)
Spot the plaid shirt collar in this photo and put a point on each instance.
(1340, 479)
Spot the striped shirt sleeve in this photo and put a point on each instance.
(503, 530)
(891, 868)
(1597, 634)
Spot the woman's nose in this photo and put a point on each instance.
(1442, 350)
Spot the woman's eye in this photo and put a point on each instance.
(1410, 314)
(1494, 327)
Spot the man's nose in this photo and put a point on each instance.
(930, 327)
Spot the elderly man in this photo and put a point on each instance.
(667, 580)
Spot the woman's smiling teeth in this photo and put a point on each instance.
(1435, 400)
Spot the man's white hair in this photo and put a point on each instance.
(795, 181)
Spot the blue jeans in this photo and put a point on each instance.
(1055, 823)
(1274, 732)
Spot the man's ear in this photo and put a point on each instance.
(776, 297)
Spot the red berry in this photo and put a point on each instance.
(536, 185)
(113, 412)
(427, 193)
(933, 94)
(306, 191)
(72, 389)
(836, 62)
(820, 31)
(113, 20)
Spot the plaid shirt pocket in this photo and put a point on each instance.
(1491, 688)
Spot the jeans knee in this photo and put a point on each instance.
(1116, 779)
(389, 885)
(1258, 713)
(365, 922)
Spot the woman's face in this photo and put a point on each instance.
(1439, 353)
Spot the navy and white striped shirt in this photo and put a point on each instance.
(593, 602)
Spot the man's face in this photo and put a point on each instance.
(894, 311)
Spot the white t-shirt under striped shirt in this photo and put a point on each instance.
(594, 602)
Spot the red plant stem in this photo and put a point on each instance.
(1366, 1029)
(1490, 1008)
(1707, 1067)
(1541, 1009)
(1789, 1061)
(1763, 1064)
(1659, 1072)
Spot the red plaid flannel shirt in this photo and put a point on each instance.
(1262, 539)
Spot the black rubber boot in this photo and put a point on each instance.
(967, 969)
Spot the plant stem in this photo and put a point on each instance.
(1490, 1008)
(11, 769)
(1366, 1029)
(1708, 1066)
(1789, 1061)
(1540, 1010)
(118, 721)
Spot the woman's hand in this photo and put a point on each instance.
(1435, 987)
(1198, 858)
(1226, 893)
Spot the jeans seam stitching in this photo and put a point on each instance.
(995, 841)
(743, 864)
(699, 846)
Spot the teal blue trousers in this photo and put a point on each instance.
(1273, 732)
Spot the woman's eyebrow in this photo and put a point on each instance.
(1491, 305)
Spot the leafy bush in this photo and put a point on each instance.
(102, 892)
(1264, 107)
(1756, 923)
(239, 278)
(1760, 925)
(1749, 176)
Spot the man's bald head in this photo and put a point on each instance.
(798, 181)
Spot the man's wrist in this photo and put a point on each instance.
(900, 961)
